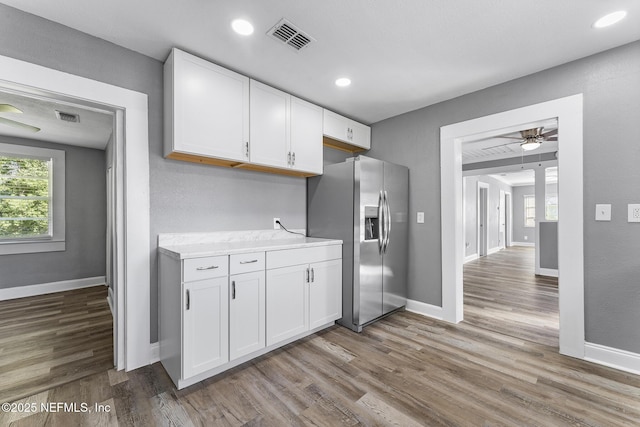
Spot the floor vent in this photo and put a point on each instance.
(67, 117)
(285, 32)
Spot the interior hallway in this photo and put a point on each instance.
(502, 293)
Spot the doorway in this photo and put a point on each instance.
(568, 112)
(131, 148)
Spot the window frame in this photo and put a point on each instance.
(524, 208)
(56, 240)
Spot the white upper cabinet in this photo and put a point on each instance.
(356, 136)
(306, 136)
(270, 125)
(206, 109)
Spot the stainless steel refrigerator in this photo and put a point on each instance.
(364, 202)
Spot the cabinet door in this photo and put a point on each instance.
(335, 126)
(287, 303)
(269, 129)
(325, 292)
(246, 314)
(306, 136)
(205, 325)
(360, 134)
(210, 109)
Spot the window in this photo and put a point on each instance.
(551, 194)
(529, 211)
(31, 199)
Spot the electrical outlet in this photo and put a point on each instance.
(276, 226)
(420, 218)
(634, 213)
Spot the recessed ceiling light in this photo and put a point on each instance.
(242, 27)
(610, 19)
(343, 82)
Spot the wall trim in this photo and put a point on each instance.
(470, 258)
(48, 288)
(424, 309)
(154, 352)
(612, 357)
(494, 250)
(527, 244)
(110, 301)
(551, 272)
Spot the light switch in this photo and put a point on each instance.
(420, 218)
(603, 212)
(634, 213)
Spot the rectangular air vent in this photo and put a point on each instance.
(285, 32)
(67, 117)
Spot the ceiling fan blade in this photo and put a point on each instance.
(8, 108)
(553, 138)
(19, 125)
(546, 135)
(509, 137)
(502, 145)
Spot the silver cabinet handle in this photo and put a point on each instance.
(249, 262)
(289, 158)
(293, 159)
(387, 218)
(313, 276)
(211, 267)
(246, 145)
(307, 275)
(233, 289)
(188, 300)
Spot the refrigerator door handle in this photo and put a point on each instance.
(387, 219)
(380, 223)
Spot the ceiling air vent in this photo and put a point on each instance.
(67, 117)
(285, 32)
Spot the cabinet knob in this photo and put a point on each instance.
(188, 300)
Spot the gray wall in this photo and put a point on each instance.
(184, 196)
(548, 245)
(610, 82)
(86, 222)
(519, 230)
(470, 186)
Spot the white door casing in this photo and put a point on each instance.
(568, 112)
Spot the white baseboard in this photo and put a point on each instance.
(529, 244)
(48, 288)
(155, 353)
(110, 301)
(424, 309)
(494, 250)
(612, 357)
(547, 272)
(470, 258)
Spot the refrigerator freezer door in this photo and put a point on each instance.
(396, 185)
(367, 281)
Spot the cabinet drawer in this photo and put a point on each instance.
(245, 263)
(205, 268)
(287, 257)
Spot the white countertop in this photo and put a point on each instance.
(179, 250)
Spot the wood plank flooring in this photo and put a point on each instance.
(53, 339)
(502, 293)
(405, 370)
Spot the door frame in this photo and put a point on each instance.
(482, 234)
(131, 144)
(569, 113)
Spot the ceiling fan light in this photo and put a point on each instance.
(530, 145)
(610, 19)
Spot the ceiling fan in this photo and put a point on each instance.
(530, 139)
(8, 108)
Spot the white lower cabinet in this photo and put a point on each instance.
(206, 325)
(287, 303)
(325, 292)
(220, 311)
(246, 314)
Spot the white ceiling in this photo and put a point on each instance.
(400, 55)
(517, 179)
(93, 129)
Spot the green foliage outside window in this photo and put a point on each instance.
(24, 197)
